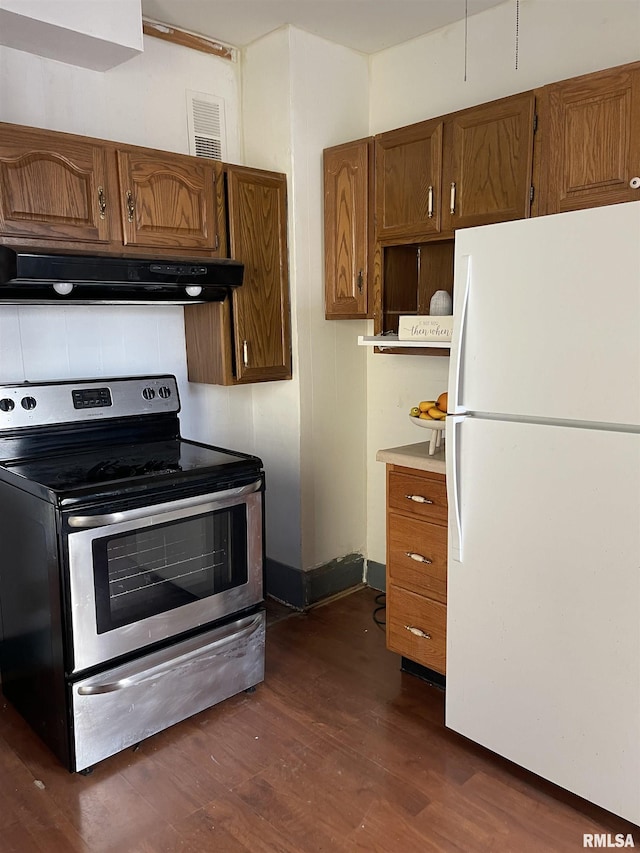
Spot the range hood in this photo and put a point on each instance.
(37, 278)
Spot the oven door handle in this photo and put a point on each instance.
(88, 521)
(171, 663)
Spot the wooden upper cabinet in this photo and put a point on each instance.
(348, 229)
(55, 187)
(408, 180)
(170, 201)
(488, 162)
(257, 204)
(591, 140)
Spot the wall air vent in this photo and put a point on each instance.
(206, 122)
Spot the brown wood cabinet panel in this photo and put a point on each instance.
(417, 556)
(408, 178)
(422, 495)
(591, 140)
(169, 201)
(406, 611)
(488, 162)
(348, 229)
(55, 187)
(258, 237)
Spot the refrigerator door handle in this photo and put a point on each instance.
(463, 281)
(454, 423)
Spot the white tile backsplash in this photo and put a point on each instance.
(78, 342)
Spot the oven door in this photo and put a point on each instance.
(147, 574)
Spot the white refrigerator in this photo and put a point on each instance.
(543, 481)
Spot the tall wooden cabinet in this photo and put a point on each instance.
(56, 187)
(248, 339)
(590, 140)
(348, 229)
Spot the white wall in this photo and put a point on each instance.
(141, 102)
(300, 95)
(425, 78)
(266, 107)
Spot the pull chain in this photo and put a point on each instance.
(517, 31)
(466, 18)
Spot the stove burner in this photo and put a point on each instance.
(115, 469)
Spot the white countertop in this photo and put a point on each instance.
(414, 456)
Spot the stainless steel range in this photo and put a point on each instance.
(131, 564)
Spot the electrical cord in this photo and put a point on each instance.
(381, 601)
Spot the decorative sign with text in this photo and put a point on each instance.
(425, 328)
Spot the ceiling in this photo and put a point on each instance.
(364, 25)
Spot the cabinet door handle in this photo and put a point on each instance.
(418, 632)
(430, 203)
(419, 499)
(418, 557)
(245, 353)
(452, 199)
(131, 206)
(360, 281)
(634, 183)
(102, 202)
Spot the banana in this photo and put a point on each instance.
(436, 414)
(425, 405)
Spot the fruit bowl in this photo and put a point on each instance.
(437, 431)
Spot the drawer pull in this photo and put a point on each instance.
(419, 499)
(418, 632)
(418, 557)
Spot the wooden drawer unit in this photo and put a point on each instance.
(417, 556)
(421, 494)
(417, 565)
(417, 628)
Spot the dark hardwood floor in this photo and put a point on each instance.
(337, 751)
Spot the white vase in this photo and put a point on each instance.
(440, 304)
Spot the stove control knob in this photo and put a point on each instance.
(28, 403)
(6, 405)
(164, 392)
(148, 393)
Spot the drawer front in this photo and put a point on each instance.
(421, 539)
(420, 496)
(407, 610)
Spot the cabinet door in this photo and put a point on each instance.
(408, 171)
(169, 201)
(257, 203)
(54, 187)
(348, 229)
(592, 140)
(488, 163)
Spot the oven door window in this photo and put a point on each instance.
(156, 569)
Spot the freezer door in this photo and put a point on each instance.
(547, 317)
(543, 621)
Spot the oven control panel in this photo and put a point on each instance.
(89, 398)
(40, 404)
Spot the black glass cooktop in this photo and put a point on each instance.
(128, 463)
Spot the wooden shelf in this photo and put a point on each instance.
(392, 342)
